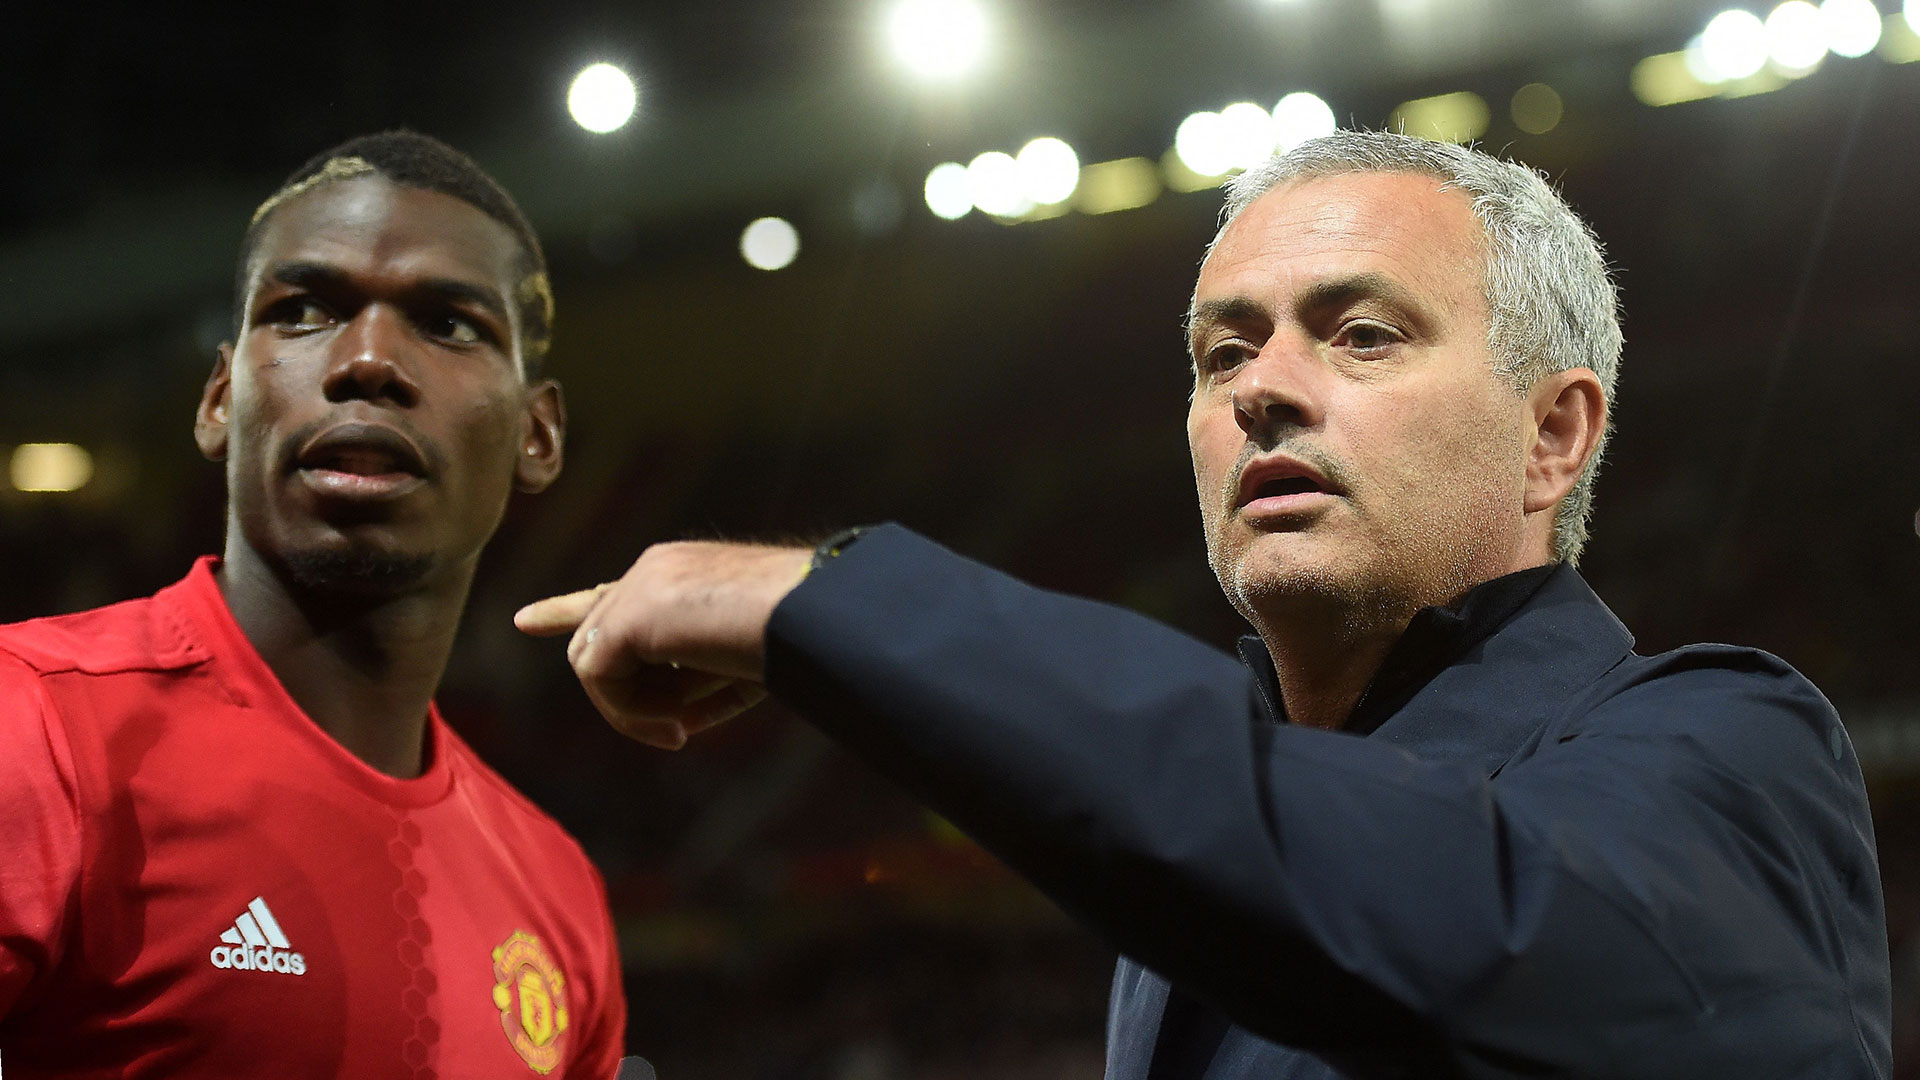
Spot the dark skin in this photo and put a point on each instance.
(374, 418)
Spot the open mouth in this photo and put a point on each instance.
(361, 461)
(1285, 485)
(1281, 485)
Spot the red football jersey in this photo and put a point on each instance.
(195, 880)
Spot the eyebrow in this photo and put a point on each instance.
(1232, 309)
(321, 277)
(1320, 296)
(1345, 291)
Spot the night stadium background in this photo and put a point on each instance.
(1012, 384)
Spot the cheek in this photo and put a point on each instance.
(1455, 461)
(250, 413)
(1213, 437)
(491, 429)
(1213, 456)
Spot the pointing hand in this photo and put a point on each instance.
(678, 644)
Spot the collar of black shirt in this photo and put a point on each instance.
(1436, 637)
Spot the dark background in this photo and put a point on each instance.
(1017, 392)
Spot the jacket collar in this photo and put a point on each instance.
(1473, 684)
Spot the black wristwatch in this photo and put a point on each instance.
(832, 546)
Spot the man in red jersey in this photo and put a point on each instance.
(235, 836)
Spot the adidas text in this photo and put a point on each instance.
(255, 942)
(263, 958)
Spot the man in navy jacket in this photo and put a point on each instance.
(1440, 820)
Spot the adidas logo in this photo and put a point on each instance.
(255, 942)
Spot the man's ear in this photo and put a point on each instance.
(210, 419)
(1569, 414)
(543, 447)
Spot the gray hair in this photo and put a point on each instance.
(1551, 301)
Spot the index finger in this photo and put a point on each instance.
(557, 614)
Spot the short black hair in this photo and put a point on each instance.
(411, 159)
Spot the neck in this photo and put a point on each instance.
(1326, 649)
(1325, 658)
(363, 668)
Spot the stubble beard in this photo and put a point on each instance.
(1349, 594)
(1344, 604)
(357, 572)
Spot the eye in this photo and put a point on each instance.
(299, 314)
(1369, 340)
(457, 329)
(1224, 356)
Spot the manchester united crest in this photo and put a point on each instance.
(531, 994)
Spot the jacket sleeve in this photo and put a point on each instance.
(1637, 899)
(40, 838)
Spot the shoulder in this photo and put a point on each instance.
(133, 635)
(528, 830)
(25, 709)
(1721, 714)
(1701, 685)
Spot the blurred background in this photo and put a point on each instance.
(925, 260)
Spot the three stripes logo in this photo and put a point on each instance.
(255, 942)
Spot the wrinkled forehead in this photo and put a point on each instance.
(1410, 225)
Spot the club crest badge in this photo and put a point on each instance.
(531, 994)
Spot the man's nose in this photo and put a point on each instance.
(371, 359)
(1275, 391)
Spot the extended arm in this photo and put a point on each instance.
(1633, 900)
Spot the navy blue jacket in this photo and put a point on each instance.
(1553, 857)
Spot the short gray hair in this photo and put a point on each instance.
(1551, 301)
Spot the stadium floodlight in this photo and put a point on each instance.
(947, 194)
(1301, 116)
(770, 243)
(1249, 133)
(602, 98)
(1049, 170)
(1204, 144)
(938, 40)
(1734, 45)
(1852, 26)
(1537, 108)
(1697, 65)
(993, 183)
(1796, 37)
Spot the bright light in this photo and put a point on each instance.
(1796, 37)
(1109, 186)
(1049, 171)
(1668, 79)
(1301, 116)
(1900, 44)
(1537, 108)
(993, 183)
(1695, 55)
(938, 39)
(1249, 131)
(1734, 45)
(51, 467)
(1852, 26)
(1204, 145)
(1459, 117)
(602, 98)
(947, 194)
(770, 243)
